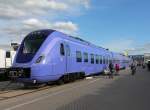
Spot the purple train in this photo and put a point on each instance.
(48, 55)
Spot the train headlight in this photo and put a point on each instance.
(40, 59)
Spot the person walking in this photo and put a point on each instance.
(117, 68)
(111, 70)
(133, 69)
(148, 65)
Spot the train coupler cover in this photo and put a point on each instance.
(19, 73)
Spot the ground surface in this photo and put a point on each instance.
(124, 92)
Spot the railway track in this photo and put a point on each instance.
(8, 94)
(15, 92)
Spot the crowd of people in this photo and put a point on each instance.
(114, 69)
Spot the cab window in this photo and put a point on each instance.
(62, 50)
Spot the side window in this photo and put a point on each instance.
(110, 60)
(101, 59)
(62, 50)
(106, 60)
(97, 59)
(92, 58)
(67, 50)
(8, 54)
(114, 60)
(78, 56)
(85, 57)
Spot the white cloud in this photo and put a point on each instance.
(9, 12)
(31, 6)
(66, 26)
(19, 17)
(85, 3)
(23, 8)
(35, 23)
(119, 45)
(128, 45)
(51, 4)
(32, 24)
(140, 49)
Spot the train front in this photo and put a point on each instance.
(28, 56)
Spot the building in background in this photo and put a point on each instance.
(139, 59)
(7, 54)
(146, 57)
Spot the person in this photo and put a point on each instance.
(111, 70)
(143, 65)
(117, 68)
(148, 65)
(106, 71)
(133, 69)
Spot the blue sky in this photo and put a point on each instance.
(123, 22)
(115, 24)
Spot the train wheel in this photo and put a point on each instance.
(82, 75)
(30, 85)
(27, 86)
(73, 77)
(77, 75)
(66, 78)
(60, 81)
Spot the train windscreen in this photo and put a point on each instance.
(31, 45)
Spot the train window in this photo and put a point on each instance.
(62, 50)
(97, 59)
(85, 57)
(106, 60)
(92, 58)
(110, 60)
(8, 54)
(32, 43)
(78, 56)
(68, 50)
(101, 60)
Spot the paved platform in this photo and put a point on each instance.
(124, 92)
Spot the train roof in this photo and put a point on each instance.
(80, 40)
(73, 37)
(88, 43)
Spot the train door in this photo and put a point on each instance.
(68, 58)
(62, 64)
(65, 56)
